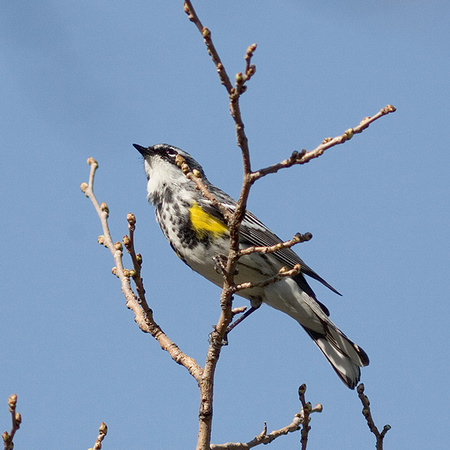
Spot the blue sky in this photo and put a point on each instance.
(82, 79)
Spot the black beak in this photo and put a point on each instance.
(140, 149)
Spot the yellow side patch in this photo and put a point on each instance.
(204, 224)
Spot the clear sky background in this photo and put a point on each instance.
(90, 78)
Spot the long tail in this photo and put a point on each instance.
(344, 355)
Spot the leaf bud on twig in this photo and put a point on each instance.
(251, 49)
(206, 33)
(348, 133)
(17, 419)
(126, 241)
(12, 401)
(104, 207)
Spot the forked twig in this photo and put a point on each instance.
(368, 415)
(143, 315)
(235, 219)
(301, 421)
(16, 419)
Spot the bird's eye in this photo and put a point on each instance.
(171, 152)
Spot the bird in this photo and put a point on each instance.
(198, 233)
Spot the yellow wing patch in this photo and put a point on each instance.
(204, 223)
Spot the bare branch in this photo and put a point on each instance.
(307, 409)
(128, 242)
(301, 420)
(102, 431)
(234, 220)
(143, 315)
(16, 419)
(304, 157)
(298, 238)
(224, 79)
(262, 438)
(368, 415)
(282, 273)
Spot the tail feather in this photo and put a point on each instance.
(345, 356)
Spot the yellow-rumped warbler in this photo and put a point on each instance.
(198, 233)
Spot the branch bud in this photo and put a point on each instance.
(251, 49)
(326, 140)
(366, 119)
(131, 218)
(103, 428)
(389, 109)
(114, 271)
(348, 133)
(104, 208)
(206, 33)
(317, 408)
(118, 246)
(126, 241)
(139, 259)
(12, 401)
(307, 408)
(17, 419)
(101, 239)
(179, 160)
(91, 161)
(83, 187)
(251, 71)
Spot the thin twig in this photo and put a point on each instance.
(368, 415)
(304, 157)
(16, 419)
(307, 409)
(143, 315)
(261, 438)
(301, 421)
(298, 238)
(206, 33)
(282, 273)
(128, 242)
